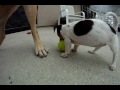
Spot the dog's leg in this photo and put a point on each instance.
(31, 13)
(96, 49)
(2, 34)
(75, 47)
(114, 46)
(67, 47)
(6, 12)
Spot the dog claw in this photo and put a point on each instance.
(41, 52)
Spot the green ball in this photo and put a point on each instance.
(61, 46)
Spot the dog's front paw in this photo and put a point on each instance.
(41, 51)
(112, 67)
(64, 55)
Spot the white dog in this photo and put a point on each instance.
(90, 32)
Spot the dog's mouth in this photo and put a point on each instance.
(60, 37)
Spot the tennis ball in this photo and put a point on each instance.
(61, 46)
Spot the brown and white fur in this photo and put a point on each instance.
(31, 13)
(90, 32)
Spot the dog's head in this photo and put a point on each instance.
(59, 28)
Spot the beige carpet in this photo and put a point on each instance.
(20, 66)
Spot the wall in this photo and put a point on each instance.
(77, 8)
(48, 14)
(106, 8)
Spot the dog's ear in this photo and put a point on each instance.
(59, 27)
(55, 26)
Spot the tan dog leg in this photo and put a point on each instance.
(31, 13)
(2, 34)
(6, 12)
